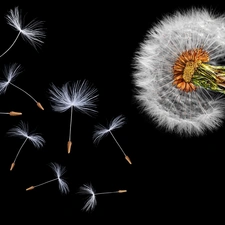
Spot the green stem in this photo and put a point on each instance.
(210, 77)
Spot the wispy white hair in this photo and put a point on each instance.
(101, 131)
(90, 203)
(59, 172)
(22, 130)
(81, 95)
(191, 113)
(10, 72)
(33, 32)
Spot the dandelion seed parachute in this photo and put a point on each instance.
(33, 32)
(101, 131)
(10, 73)
(178, 76)
(59, 171)
(22, 131)
(79, 95)
(91, 202)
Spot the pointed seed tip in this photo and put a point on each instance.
(69, 144)
(30, 188)
(12, 166)
(122, 191)
(12, 113)
(40, 106)
(128, 159)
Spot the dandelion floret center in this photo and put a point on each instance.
(185, 67)
(189, 70)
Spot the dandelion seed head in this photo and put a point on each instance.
(59, 172)
(80, 95)
(165, 66)
(22, 130)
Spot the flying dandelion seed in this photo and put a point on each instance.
(59, 171)
(10, 73)
(33, 32)
(22, 131)
(91, 201)
(79, 95)
(101, 131)
(11, 113)
(179, 79)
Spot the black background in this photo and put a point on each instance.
(171, 179)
